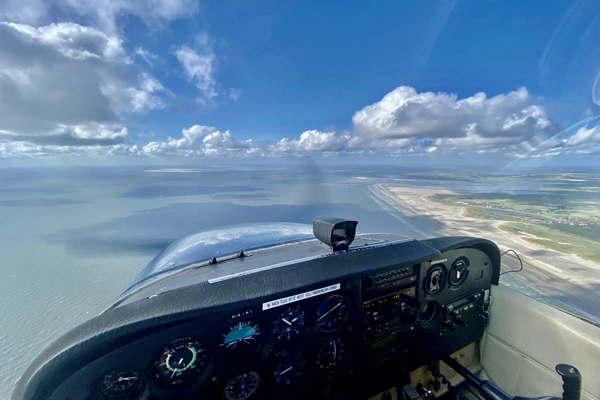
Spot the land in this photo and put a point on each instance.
(555, 230)
(563, 223)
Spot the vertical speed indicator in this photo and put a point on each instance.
(331, 355)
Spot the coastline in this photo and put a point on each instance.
(566, 280)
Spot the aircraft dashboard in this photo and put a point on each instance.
(293, 321)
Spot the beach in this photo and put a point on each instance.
(564, 280)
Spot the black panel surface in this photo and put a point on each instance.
(132, 334)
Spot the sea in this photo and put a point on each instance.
(73, 238)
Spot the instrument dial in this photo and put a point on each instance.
(331, 355)
(290, 370)
(120, 385)
(243, 338)
(290, 327)
(333, 312)
(181, 362)
(242, 387)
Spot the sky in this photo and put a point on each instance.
(186, 79)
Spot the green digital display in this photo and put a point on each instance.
(384, 342)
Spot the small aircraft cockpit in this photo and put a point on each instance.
(290, 311)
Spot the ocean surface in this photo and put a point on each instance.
(72, 239)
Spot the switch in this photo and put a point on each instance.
(460, 322)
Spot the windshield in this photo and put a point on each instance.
(223, 243)
(125, 126)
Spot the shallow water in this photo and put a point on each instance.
(73, 239)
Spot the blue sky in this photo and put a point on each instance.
(181, 78)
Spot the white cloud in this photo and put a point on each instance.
(31, 150)
(27, 11)
(360, 143)
(190, 135)
(586, 141)
(132, 99)
(405, 121)
(200, 69)
(150, 84)
(96, 131)
(224, 140)
(321, 141)
(83, 135)
(147, 56)
(20, 149)
(312, 141)
(75, 41)
(331, 142)
(474, 141)
(178, 146)
(213, 143)
(205, 141)
(65, 81)
(103, 14)
(57, 65)
(71, 85)
(405, 113)
(585, 135)
(63, 62)
(234, 94)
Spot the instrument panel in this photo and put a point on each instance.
(354, 333)
(250, 353)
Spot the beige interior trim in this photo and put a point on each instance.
(526, 338)
(468, 356)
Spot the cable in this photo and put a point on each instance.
(518, 258)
